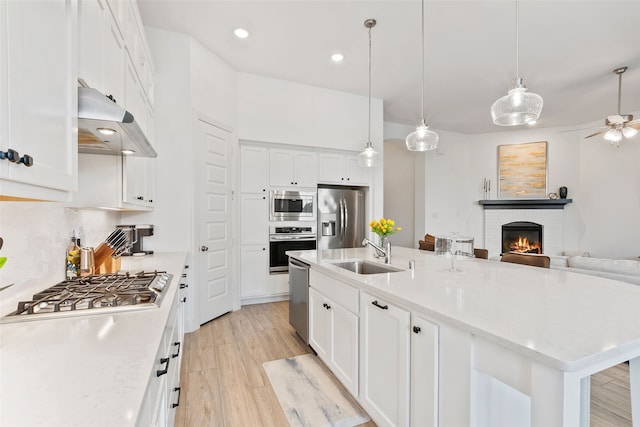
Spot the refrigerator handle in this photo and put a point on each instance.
(341, 218)
(346, 219)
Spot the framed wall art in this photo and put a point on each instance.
(522, 170)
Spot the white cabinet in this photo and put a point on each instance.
(163, 390)
(338, 168)
(254, 271)
(138, 181)
(292, 168)
(38, 98)
(424, 372)
(101, 46)
(333, 329)
(253, 219)
(253, 169)
(384, 362)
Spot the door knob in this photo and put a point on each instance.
(204, 248)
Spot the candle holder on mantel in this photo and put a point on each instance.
(454, 247)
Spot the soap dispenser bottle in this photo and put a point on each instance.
(73, 258)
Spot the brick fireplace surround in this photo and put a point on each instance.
(544, 212)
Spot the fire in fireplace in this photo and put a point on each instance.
(522, 237)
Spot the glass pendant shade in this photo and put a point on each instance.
(369, 157)
(423, 139)
(629, 132)
(613, 135)
(518, 107)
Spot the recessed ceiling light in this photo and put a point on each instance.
(241, 33)
(337, 57)
(106, 131)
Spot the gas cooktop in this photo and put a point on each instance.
(96, 294)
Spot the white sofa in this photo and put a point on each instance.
(624, 270)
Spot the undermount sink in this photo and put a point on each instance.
(366, 267)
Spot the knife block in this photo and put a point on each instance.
(109, 266)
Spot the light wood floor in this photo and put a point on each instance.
(224, 385)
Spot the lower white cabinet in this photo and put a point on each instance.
(163, 391)
(254, 273)
(424, 372)
(384, 362)
(333, 334)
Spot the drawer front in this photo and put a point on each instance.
(338, 291)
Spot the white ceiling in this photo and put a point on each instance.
(568, 50)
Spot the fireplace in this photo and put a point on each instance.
(522, 237)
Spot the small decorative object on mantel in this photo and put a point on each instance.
(522, 170)
(553, 196)
(562, 191)
(486, 188)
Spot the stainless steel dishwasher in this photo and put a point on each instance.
(299, 298)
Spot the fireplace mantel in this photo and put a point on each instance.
(525, 203)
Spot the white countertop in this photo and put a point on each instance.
(87, 370)
(566, 320)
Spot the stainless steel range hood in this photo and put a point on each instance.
(106, 128)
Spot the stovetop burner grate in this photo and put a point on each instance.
(95, 294)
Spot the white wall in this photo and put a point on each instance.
(36, 235)
(603, 181)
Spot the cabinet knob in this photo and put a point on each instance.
(204, 248)
(263, 190)
(291, 182)
(342, 179)
(416, 329)
(12, 155)
(27, 160)
(264, 249)
(295, 183)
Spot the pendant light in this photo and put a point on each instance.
(518, 107)
(423, 139)
(369, 157)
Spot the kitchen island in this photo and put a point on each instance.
(89, 370)
(513, 344)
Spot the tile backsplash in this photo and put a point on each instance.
(35, 236)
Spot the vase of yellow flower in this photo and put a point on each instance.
(384, 227)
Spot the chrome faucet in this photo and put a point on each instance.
(386, 252)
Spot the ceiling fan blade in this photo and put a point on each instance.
(597, 133)
(576, 129)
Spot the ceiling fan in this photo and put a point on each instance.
(618, 125)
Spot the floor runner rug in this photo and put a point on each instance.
(310, 396)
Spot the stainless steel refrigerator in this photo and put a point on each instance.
(341, 218)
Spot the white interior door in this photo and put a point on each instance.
(213, 220)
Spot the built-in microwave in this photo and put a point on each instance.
(292, 206)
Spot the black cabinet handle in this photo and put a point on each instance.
(377, 304)
(416, 329)
(178, 352)
(184, 274)
(140, 198)
(12, 155)
(111, 98)
(175, 405)
(27, 160)
(183, 285)
(161, 372)
(184, 299)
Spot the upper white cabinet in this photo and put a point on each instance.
(101, 51)
(384, 364)
(253, 169)
(38, 98)
(292, 168)
(337, 168)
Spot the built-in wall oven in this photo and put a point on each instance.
(292, 205)
(288, 238)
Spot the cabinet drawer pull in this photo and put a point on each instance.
(175, 405)
(161, 372)
(416, 329)
(27, 160)
(377, 304)
(183, 285)
(177, 353)
(184, 299)
(12, 155)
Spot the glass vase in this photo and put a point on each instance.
(382, 242)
